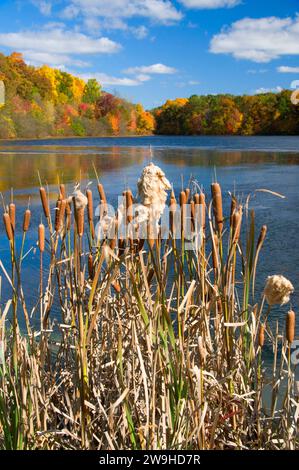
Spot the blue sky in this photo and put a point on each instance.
(152, 50)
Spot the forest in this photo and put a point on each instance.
(42, 102)
(261, 114)
(46, 102)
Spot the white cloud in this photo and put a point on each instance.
(55, 60)
(209, 4)
(157, 10)
(58, 41)
(259, 40)
(285, 69)
(261, 91)
(193, 82)
(105, 80)
(159, 69)
(44, 7)
(140, 32)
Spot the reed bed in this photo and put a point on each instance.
(157, 346)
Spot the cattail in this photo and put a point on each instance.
(41, 237)
(116, 286)
(68, 216)
(90, 266)
(262, 237)
(290, 326)
(183, 202)
(192, 205)
(57, 215)
(62, 191)
(8, 227)
(62, 210)
(12, 215)
(200, 209)
(187, 192)
(129, 204)
(26, 220)
(261, 336)
(102, 192)
(89, 205)
(45, 204)
(217, 206)
(80, 221)
(172, 210)
(233, 208)
(236, 224)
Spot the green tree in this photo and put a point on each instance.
(92, 91)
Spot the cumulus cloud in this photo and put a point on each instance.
(159, 69)
(285, 69)
(59, 61)
(259, 40)
(109, 80)
(261, 91)
(57, 41)
(157, 10)
(209, 4)
(44, 7)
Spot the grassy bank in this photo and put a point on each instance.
(158, 346)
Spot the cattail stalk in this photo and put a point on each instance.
(217, 206)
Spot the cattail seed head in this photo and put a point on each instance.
(261, 337)
(187, 192)
(102, 192)
(26, 220)
(12, 215)
(62, 191)
(262, 237)
(57, 215)
(217, 206)
(44, 200)
(89, 205)
(129, 204)
(233, 208)
(62, 210)
(8, 227)
(290, 326)
(80, 221)
(236, 223)
(41, 237)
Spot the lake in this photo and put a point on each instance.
(241, 164)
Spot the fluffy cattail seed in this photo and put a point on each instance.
(262, 336)
(290, 326)
(45, 204)
(41, 237)
(8, 227)
(12, 215)
(26, 220)
(217, 206)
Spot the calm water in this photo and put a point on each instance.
(241, 164)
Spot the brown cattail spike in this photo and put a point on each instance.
(12, 215)
(129, 204)
(290, 326)
(45, 204)
(236, 224)
(102, 192)
(57, 215)
(26, 221)
(62, 191)
(217, 206)
(262, 237)
(80, 221)
(262, 336)
(8, 227)
(41, 237)
(233, 208)
(89, 205)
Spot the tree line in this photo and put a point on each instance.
(43, 101)
(262, 114)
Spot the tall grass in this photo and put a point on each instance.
(157, 347)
